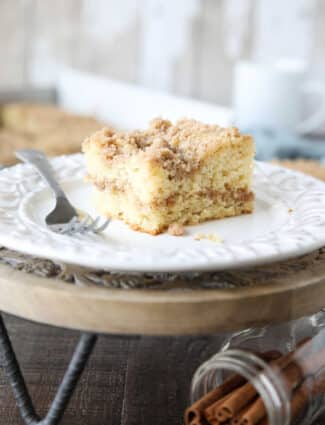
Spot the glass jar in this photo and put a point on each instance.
(269, 376)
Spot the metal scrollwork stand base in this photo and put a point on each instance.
(24, 402)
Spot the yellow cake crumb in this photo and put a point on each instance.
(176, 229)
(208, 236)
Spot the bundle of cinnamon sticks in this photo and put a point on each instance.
(236, 401)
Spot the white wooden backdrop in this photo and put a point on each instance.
(182, 46)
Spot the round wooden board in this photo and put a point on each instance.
(161, 312)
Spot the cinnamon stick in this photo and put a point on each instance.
(319, 387)
(257, 411)
(299, 401)
(238, 401)
(264, 422)
(254, 414)
(246, 394)
(285, 359)
(237, 419)
(292, 375)
(210, 412)
(300, 398)
(194, 414)
(243, 396)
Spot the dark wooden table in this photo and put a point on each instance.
(128, 381)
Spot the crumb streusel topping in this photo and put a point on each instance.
(180, 146)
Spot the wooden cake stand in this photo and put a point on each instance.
(96, 303)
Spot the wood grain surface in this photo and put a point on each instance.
(136, 381)
(159, 312)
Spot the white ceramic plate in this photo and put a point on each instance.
(289, 220)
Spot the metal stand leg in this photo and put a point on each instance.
(77, 364)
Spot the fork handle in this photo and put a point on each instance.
(39, 160)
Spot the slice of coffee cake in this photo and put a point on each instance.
(184, 173)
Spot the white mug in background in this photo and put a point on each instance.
(271, 96)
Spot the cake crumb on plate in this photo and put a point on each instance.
(213, 237)
(176, 229)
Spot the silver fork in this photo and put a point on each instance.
(64, 218)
